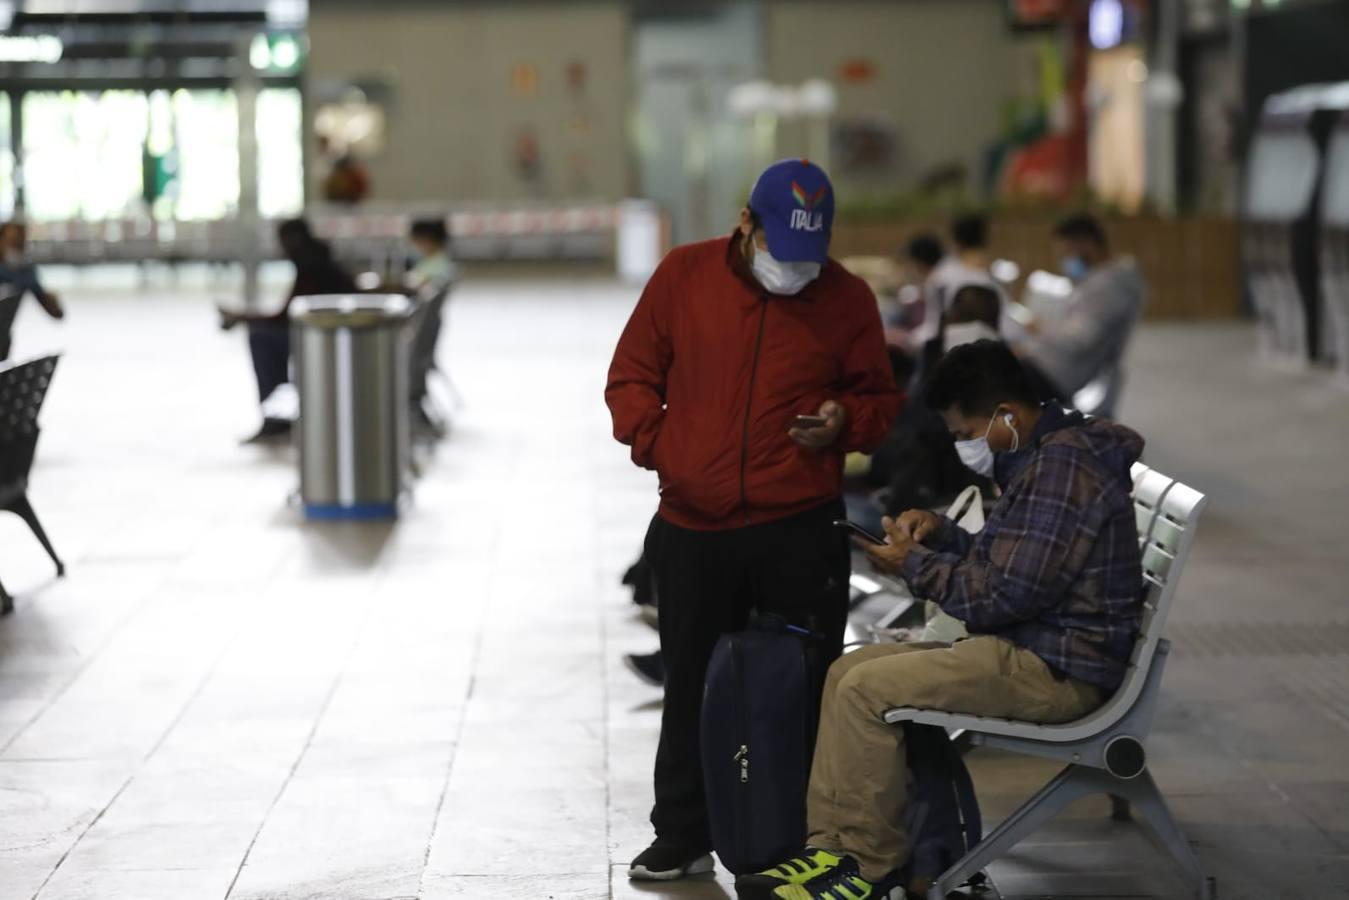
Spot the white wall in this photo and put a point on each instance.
(454, 115)
(943, 69)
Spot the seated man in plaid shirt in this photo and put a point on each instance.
(1050, 591)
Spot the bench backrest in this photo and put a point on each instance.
(23, 387)
(427, 322)
(1167, 514)
(9, 309)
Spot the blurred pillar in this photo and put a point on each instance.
(1078, 134)
(247, 82)
(16, 148)
(1162, 94)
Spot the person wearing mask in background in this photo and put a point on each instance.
(433, 269)
(428, 282)
(973, 315)
(19, 276)
(731, 341)
(316, 272)
(917, 464)
(1089, 341)
(968, 264)
(923, 255)
(1049, 591)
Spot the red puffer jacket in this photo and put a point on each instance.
(711, 371)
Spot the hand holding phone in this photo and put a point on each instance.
(859, 531)
(822, 429)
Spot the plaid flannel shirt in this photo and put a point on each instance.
(1056, 569)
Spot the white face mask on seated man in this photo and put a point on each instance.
(977, 455)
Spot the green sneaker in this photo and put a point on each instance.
(812, 863)
(841, 882)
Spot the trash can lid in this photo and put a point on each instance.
(350, 310)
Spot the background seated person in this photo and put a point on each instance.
(918, 466)
(433, 269)
(974, 316)
(1089, 341)
(269, 333)
(1050, 591)
(20, 276)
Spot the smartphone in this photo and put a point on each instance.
(859, 531)
(811, 421)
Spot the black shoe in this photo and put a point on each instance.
(649, 667)
(271, 430)
(633, 572)
(664, 861)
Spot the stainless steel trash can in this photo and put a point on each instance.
(351, 372)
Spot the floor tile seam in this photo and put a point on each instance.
(202, 682)
(602, 623)
(1272, 785)
(474, 656)
(88, 661)
(309, 737)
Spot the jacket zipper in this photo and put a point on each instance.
(749, 402)
(741, 758)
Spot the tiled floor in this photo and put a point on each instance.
(223, 701)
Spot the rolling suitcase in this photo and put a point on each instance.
(760, 712)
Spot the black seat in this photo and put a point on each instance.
(9, 308)
(426, 327)
(23, 387)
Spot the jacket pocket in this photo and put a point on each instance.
(661, 461)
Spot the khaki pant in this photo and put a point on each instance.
(857, 784)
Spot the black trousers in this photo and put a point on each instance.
(708, 583)
(269, 345)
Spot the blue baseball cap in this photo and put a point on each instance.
(795, 204)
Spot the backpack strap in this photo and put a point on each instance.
(966, 799)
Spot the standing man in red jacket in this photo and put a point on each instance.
(733, 340)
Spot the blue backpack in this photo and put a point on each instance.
(942, 816)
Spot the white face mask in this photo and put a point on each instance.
(782, 277)
(967, 333)
(977, 455)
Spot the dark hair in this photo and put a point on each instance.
(924, 248)
(970, 231)
(295, 230)
(432, 230)
(1081, 227)
(976, 378)
(975, 303)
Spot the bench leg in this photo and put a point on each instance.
(24, 510)
(1156, 815)
(1073, 783)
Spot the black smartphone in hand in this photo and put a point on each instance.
(811, 421)
(859, 531)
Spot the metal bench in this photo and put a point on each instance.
(23, 386)
(427, 322)
(1104, 750)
